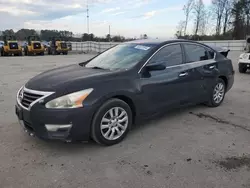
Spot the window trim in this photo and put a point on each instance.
(183, 53)
(166, 45)
(197, 44)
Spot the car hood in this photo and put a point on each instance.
(59, 78)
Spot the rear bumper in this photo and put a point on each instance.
(74, 124)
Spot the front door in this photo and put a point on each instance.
(168, 87)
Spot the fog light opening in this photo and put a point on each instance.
(54, 128)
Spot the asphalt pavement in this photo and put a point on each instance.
(195, 147)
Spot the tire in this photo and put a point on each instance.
(65, 53)
(20, 54)
(2, 54)
(98, 134)
(42, 53)
(242, 68)
(219, 86)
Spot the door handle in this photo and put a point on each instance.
(212, 67)
(183, 74)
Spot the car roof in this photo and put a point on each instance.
(160, 41)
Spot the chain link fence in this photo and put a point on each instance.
(97, 47)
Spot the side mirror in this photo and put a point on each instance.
(155, 66)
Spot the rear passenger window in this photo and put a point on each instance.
(169, 56)
(197, 53)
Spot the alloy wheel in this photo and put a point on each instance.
(114, 123)
(219, 92)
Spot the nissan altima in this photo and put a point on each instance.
(101, 98)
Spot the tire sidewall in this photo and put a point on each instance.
(219, 80)
(96, 128)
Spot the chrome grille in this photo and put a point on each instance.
(27, 98)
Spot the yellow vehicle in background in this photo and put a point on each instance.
(11, 46)
(34, 46)
(57, 46)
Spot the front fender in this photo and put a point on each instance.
(104, 98)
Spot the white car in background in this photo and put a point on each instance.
(244, 62)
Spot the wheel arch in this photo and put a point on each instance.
(125, 97)
(130, 102)
(224, 78)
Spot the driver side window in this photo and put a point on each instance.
(169, 56)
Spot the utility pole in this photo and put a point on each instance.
(88, 26)
(87, 17)
(109, 34)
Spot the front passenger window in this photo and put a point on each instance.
(169, 56)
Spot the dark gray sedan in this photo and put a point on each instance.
(102, 97)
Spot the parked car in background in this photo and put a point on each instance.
(244, 62)
(1, 43)
(102, 97)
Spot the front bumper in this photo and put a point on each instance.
(244, 62)
(34, 122)
(62, 50)
(38, 50)
(13, 51)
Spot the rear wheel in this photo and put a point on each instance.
(242, 68)
(218, 93)
(111, 122)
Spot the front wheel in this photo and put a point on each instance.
(218, 94)
(111, 122)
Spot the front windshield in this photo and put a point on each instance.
(122, 56)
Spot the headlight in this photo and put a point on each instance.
(245, 56)
(72, 100)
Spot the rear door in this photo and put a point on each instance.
(202, 70)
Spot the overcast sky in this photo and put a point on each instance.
(156, 18)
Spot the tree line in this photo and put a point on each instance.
(46, 35)
(222, 20)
